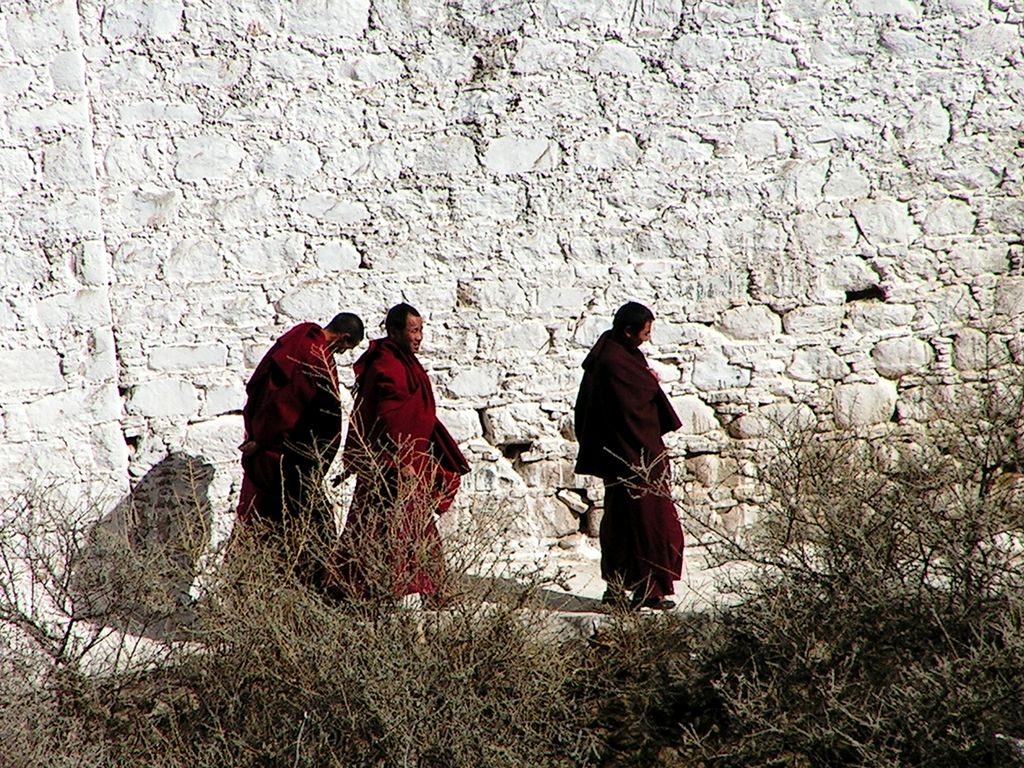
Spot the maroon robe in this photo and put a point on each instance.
(407, 468)
(621, 414)
(292, 424)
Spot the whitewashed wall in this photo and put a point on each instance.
(820, 200)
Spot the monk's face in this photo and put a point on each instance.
(341, 343)
(644, 334)
(410, 337)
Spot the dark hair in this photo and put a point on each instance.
(632, 317)
(347, 324)
(398, 316)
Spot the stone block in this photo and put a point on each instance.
(698, 418)
(148, 207)
(16, 170)
(990, 42)
(907, 45)
(877, 317)
(84, 309)
(863, 404)
(208, 158)
(711, 470)
(53, 118)
(474, 383)
(330, 208)
(549, 518)
(547, 474)
(92, 264)
(974, 258)
(463, 423)
(678, 148)
(272, 255)
(446, 155)
(904, 8)
(493, 476)
(222, 398)
(188, 357)
(601, 14)
(975, 350)
(851, 274)
(150, 19)
(513, 155)
(615, 151)
(657, 16)
(516, 423)
(542, 56)
(326, 18)
(898, 357)
(69, 162)
(35, 370)
(816, 363)
(929, 124)
(15, 79)
(35, 30)
(774, 420)
(216, 439)
(751, 322)
(290, 160)
(142, 112)
(383, 68)
(816, 234)
(713, 372)
(58, 413)
(615, 58)
(337, 256)
(67, 71)
(846, 182)
(1010, 297)
(885, 222)
(193, 260)
(164, 398)
(763, 139)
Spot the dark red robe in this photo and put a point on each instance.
(621, 414)
(407, 468)
(292, 423)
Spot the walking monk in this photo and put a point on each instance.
(292, 425)
(407, 469)
(621, 414)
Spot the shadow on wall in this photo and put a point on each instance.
(138, 562)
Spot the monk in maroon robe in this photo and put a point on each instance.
(292, 424)
(621, 414)
(407, 469)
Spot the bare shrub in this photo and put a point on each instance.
(274, 670)
(881, 623)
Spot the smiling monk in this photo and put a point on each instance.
(407, 469)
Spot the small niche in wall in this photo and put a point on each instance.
(871, 293)
(512, 451)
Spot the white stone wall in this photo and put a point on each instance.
(820, 200)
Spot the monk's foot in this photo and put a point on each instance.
(654, 603)
(615, 599)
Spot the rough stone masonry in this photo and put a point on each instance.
(821, 200)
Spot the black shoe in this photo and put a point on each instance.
(654, 603)
(615, 598)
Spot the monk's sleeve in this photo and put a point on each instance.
(277, 406)
(392, 402)
(305, 405)
(632, 389)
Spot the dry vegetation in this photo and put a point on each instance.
(880, 622)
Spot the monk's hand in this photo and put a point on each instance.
(248, 448)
